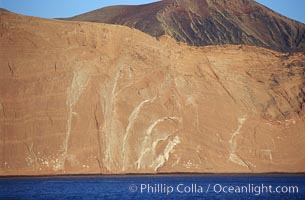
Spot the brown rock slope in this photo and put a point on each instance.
(208, 22)
(92, 98)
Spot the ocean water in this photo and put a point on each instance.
(188, 187)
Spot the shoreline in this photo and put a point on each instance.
(152, 175)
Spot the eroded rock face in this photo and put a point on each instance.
(208, 22)
(81, 98)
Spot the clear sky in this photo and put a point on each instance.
(66, 8)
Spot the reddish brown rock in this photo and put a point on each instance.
(80, 98)
(208, 22)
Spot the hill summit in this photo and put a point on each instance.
(208, 22)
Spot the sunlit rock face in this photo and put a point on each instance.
(208, 22)
(83, 98)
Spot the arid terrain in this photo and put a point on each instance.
(208, 22)
(82, 98)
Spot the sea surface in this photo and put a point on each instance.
(188, 187)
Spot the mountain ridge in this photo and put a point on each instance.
(208, 22)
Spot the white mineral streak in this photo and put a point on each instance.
(79, 83)
(131, 120)
(148, 144)
(233, 143)
(108, 94)
(160, 161)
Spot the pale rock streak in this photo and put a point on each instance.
(131, 120)
(146, 145)
(160, 161)
(233, 143)
(79, 82)
(108, 94)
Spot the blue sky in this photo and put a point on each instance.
(67, 8)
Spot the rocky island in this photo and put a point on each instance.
(91, 98)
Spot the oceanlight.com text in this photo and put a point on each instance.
(195, 188)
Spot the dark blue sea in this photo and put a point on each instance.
(188, 187)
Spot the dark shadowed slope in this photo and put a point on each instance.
(3, 10)
(208, 22)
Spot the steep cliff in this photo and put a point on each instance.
(93, 98)
(208, 22)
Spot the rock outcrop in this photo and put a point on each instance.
(208, 22)
(82, 98)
